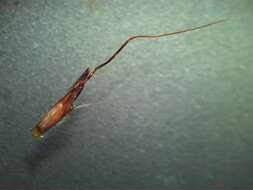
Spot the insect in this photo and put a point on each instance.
(65, 104)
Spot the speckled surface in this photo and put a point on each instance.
(174, 113)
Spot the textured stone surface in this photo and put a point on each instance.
(175, 112)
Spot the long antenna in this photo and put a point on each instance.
(151, 37)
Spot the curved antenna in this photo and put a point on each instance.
(151, 37)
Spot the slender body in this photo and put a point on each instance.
(61, 108)
(65, 104)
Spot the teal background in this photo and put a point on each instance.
(169, 113)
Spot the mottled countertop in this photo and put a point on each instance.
(169, 113)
